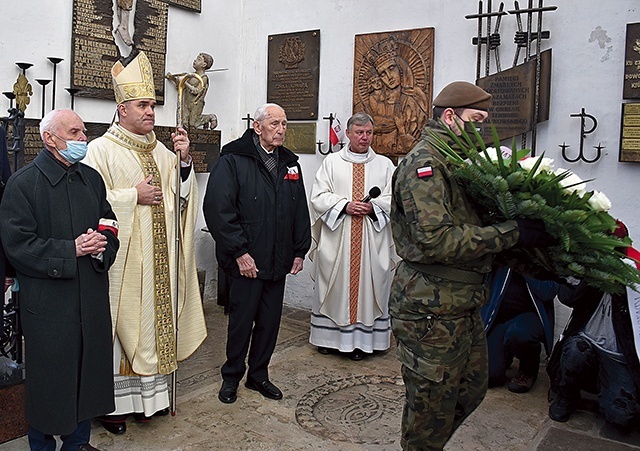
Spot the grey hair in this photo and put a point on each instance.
(261, 113)
(48, 123)
(360, 119)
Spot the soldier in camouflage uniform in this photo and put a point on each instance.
(438, 288)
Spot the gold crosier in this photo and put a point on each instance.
(177, 207)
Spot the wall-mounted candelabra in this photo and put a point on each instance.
(72, 92)
(55, 61)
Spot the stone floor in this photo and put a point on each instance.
(333, 403)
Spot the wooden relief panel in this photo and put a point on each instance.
(393, 82)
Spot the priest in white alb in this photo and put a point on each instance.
(352, 251)
(140, 175)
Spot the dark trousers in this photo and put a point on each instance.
(519, 337)
(39, 441)
(584, 366)
(255, 308)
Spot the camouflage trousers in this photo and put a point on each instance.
(445, 371)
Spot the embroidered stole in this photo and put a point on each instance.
(165, 334)
(355, 254)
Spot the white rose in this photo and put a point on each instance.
(572, 182)
(491, 152)
(599, 201)
(546, 164)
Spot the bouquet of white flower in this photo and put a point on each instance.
(518, 186)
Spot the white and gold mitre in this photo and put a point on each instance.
(135, 81)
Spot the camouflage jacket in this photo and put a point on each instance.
(435, 226)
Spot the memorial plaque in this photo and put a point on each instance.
(513, 90)
(393, 83)
(301, 137)
(632, 63)
(204, 149)
(293, 73)
(630, 133)
(192, 5)
(94, 50)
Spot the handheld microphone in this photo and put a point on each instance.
(373, 193)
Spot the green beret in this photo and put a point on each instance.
(461, 94)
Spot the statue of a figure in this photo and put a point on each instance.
(124, 8)
(194, 93)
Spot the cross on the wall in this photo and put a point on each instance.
(528, 36)
(492, 38)
(524, 38)
(249, 119)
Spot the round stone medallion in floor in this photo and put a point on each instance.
(359, 409)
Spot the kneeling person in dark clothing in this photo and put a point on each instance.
(518, 317)
(597, 353)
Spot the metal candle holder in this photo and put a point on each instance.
(11, 96)
(24, 66)
(72, 92)
(43, 83)
(55, 61)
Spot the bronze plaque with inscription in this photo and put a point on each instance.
(204, 149)
(630, 133)
(393, 83)
(301, 137)
(632, 63)
(513, 90)
(293, 73)
(192, 5)
(94, 50)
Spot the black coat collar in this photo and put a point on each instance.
(54, 170)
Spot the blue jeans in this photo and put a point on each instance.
(519, 337)
(585, 366)
(39, 441)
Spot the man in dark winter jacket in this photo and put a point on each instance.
(60, 234)
(256, 210)
(597, 352)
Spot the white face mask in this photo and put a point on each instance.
(75, 151)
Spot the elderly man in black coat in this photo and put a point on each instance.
(60, 234)
(256, 209)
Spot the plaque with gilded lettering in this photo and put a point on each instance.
(513, 90)
(393, 83)
(192, 5)
(94, 50)
(630, 133)
(293, 73)
(301, 137)
(204, 149)
(632, 63)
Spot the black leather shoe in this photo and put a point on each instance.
(324, 351)
(115, 427)
(266, 389)
(228, 392)
(357, 354)
(87, 447)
